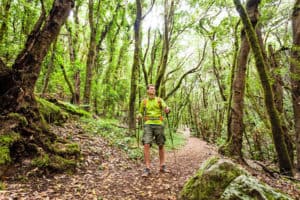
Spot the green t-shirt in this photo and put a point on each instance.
(153, 109)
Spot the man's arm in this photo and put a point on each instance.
(165, 108)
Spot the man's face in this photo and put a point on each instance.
(151, 90)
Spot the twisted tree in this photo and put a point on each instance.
(23, 132)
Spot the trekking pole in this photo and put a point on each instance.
(138, 133)
(170, 131)
(172, 142)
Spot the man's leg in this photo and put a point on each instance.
(147, 141)
(161, 156)
(147, 155)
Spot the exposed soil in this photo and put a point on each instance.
(107, 173)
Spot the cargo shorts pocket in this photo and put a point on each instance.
(148, 135)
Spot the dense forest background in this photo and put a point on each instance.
(195, 52)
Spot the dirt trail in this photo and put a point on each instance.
(107, 173)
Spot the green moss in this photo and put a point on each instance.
(189, 187)
(4, 155)
(54, 163)
(73, 148)
(18, 117)
(51, 112)
(66, 149)
(59, 163)
(2, 186)
(210, 180)
(75, 110)
(42, 161)
(5, 142)
(8, 139)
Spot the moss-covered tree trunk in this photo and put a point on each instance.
(90, 63)
(295, 75)
(285, 164)
(233, 147)
(136, 64)
(22, 131)
(50, 69)
(4, 16)
(73, 38)
(277, 87)
(234, 64)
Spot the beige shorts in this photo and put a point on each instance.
(153, 132)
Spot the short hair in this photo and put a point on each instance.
(150, 85)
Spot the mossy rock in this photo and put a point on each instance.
(211, 180)
(66, 149)
(246, 187)
(54, 163)
(51, 112)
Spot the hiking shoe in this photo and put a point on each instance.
(146, 172)
(163, 169)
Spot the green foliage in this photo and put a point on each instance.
(116, 136)
(108, 128)
(194, 23)
(178, 140)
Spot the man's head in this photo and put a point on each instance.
(151, 90)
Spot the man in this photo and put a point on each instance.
(151, 109)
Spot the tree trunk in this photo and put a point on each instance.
(277, 86)
(77, 82)
(153, 58)
(168, 20)
(73, 48)
(295, 75)
(215, 70)
(136, 65)
(4, 17)
(18, 108)
(261, 65)
(234, 63)
(67, 80)
(50, 69)
(234, 144)
(91, 58)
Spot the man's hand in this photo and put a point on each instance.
(138, 117)
(167, 110)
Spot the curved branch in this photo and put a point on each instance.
(150, 9)
(187, 73)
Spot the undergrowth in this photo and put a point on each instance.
(116, 136)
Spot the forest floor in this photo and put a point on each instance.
(106, 172)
